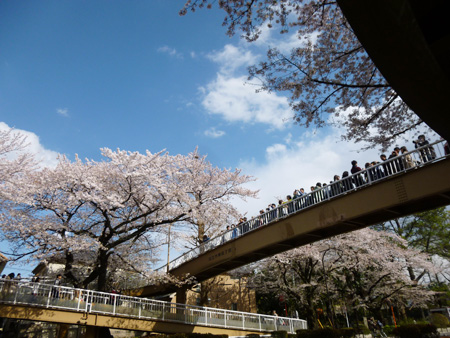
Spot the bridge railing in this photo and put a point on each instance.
(398, 165)
(113, 304)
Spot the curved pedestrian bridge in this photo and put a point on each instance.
(413, 182)
(59, 304)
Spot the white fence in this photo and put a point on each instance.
(80, 300)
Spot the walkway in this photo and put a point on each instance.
(383, 192)
(59, 304)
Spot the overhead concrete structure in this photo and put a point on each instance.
(409, 42)
(397, 196)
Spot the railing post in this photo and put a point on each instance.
(259, 320)
(88, 301)
(206, 316)
(140, 307)
(114, 304)
(163, 310)
(79, 300)
(17, 291)
(49, 295)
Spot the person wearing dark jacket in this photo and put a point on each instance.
(357, 179)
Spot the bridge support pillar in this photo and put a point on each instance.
(181, 295)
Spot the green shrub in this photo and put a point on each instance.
(279, 334)
(347, 332)
(388, 329)
(362, 329)
(439, 320)
(319, 333)
(416, 331)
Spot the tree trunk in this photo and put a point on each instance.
(102, 270)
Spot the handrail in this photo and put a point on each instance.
(88, 301)
(411, 160)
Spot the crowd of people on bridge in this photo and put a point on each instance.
(399, 160)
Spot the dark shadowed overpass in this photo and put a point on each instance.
(409, 42)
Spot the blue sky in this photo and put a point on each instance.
(76, 76)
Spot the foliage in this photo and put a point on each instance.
(428, 231)
(326, 333)
(279, 334)
(327, 74)
(439, 320)
(415, 331)
(388, 329)
(109, 214)
(442, 294)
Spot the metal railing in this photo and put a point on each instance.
(113, 304)
(411, 160)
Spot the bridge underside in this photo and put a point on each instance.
(113, 322)
(415, 191)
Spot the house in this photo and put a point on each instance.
(224, 292)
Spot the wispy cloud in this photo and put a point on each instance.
(170, 51)
(231, 58)
(214, 133)
(236, 101)
(45, 157)
(63, 112)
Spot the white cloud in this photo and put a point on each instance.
(236, 101)
(231, 58)
(171, 51)
(45, 157)
(214, 133)
(63, 112)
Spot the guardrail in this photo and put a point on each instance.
(398, 165)
(113, 304)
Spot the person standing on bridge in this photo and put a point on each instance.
(56, 287)
(427, 153)
(387, 170)
(357, 177)
(407, 159)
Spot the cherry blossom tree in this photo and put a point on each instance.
(428, 232)
(108, 214)
(14, 160)
(328, 76)
(362, 269)
(210, 186)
